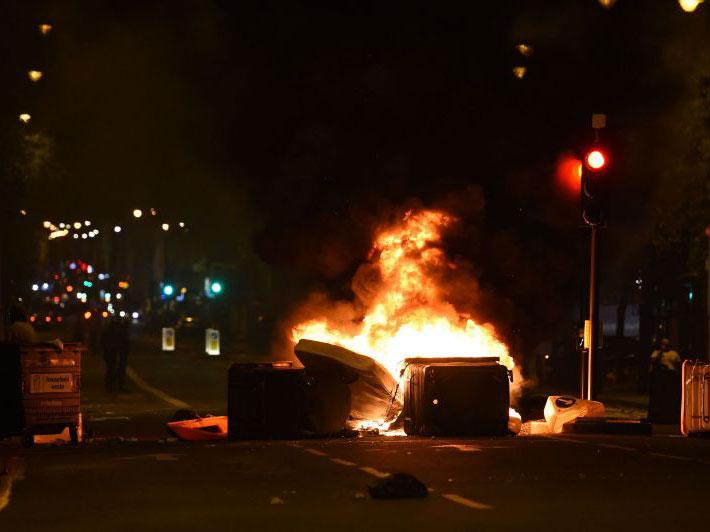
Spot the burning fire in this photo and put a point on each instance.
(403, 311)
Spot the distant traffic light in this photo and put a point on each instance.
(213, 287)
(168, 290)
(595, 187)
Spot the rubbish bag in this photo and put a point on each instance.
(561, 409)
(398, 486)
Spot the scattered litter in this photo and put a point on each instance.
(398, 486)
(191, 426)
(515, 422)
(276, 500)
(561, 409)
(536, 427)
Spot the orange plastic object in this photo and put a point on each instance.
(200, 429)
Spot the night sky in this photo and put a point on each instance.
(291, 131)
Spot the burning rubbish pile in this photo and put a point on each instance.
(400, 312)
(399, 356)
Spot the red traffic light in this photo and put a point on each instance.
(595, 160)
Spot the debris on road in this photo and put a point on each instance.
(398, 486)
(190, 426)
(372, 387)
(561, 409)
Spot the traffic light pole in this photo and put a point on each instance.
(593, 314)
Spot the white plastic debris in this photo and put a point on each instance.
(515, 422)
(561, 409)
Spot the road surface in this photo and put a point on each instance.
(130, 477)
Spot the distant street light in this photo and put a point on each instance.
(524, 49)
(137, 213)
(35, 75)
(77, 225)
(44, 29)
(689, 5)
(165, 227)
(608, 4)
(116, 228)
(519, 71)
(25, 118)
(153, 212)
(182, 224)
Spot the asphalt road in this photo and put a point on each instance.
(143, 482)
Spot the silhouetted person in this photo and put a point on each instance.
(665, 390)
(20, 332)
(115, 342)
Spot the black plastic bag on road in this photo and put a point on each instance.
(398, 486)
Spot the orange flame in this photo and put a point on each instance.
(404, 312)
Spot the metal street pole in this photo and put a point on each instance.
(707, 303)
(593, 313)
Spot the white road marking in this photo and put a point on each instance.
(15, 470)
(342, 462)
(160, 457)
(110, 418)
(673, 457)
(620, 447)
(461, 447)
(177, 403)
(374, 472)
(633, 449)
(469, 503)
(567, 440)
(316, 452)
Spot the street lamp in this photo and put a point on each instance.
(519, 71)
(689, 5)
(137, 213)
(44, 29)
(35, 75)
(25, 118)
(116, 228)
(165, 227)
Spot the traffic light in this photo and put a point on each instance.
(595, 187)
(168, 290)
(213, 287)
